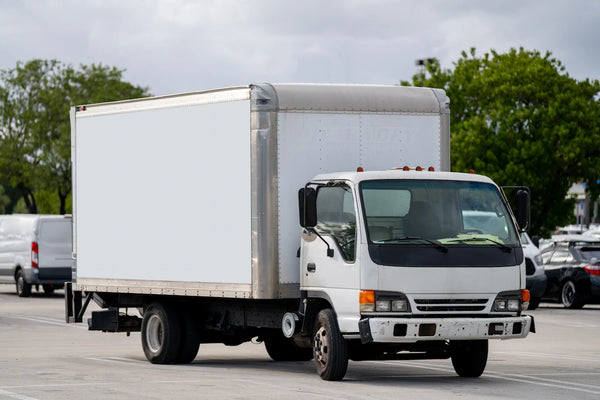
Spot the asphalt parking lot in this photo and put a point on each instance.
(41, 357)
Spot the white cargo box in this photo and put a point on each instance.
(196, 194)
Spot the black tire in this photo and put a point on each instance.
(469, 357)
(190, 338)
(281, 348)
(23, 288)
(161, 333)
(330, 350)
(48, 289)
(570, 297)
(534, 303)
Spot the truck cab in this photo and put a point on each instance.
(391, 253)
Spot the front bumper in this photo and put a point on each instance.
(403, 330)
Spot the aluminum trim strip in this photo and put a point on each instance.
(161, 102)
(174, 288)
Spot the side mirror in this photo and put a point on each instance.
(307, 202)
(523, 209)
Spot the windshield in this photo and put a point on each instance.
(449, 213)
(589, 253)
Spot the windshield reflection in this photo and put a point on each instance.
(442, 212)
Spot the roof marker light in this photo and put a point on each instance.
(471, 171)
(406, 168)
(419, 168)
(430, 169)
(360, 169)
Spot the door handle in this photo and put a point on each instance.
(311, 267)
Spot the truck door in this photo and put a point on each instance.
(337, 226)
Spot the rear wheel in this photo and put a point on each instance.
(161, 333)
(281, 348)
(48, 289)
(469, 357)
(329, 347)
(190, 338)
(570, 297)
(23, 288)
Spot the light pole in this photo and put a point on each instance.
(423, 62)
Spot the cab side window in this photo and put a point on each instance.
(336, 217)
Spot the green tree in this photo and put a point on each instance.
(4, 200)
(35, 133)
(521, 119)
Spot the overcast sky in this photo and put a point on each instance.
(176, 46)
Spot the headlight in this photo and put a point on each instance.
(372, 301)
(383, 305)
(400, 305)
(514, 305)
(500, 305)
(508, 302)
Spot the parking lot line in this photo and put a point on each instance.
(15, 395)
(565, 385)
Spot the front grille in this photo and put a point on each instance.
(529, 267)
(442, 305)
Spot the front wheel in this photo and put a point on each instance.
(330, 350)
(23, 288)
(161, 333)
(570, 297)
(469, 357)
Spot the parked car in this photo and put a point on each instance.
(35, 250)
(572, 266)
(594, 232)
(545, 243)
(534, 269)
(570, 230)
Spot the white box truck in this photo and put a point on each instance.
(222, 216)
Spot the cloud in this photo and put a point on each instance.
(182, 45)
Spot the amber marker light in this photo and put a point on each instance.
(366, 299)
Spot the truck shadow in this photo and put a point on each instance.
(388, 374)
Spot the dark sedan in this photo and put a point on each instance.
(573, 271)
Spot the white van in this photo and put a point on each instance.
(35, 250)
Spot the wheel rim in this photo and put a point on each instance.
(321, 347)
(154, 334)
(568, 293)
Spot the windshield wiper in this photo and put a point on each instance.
(504, 247)
(405, 238)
